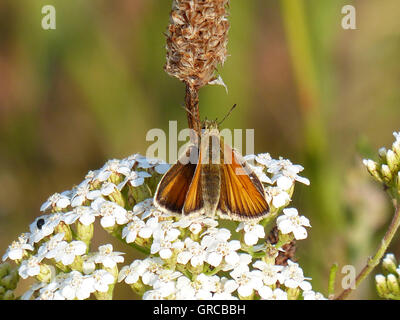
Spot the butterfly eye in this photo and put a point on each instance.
(40, 223)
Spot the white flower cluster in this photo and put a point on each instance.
(280, 175)
(199, 250)
(56, 250)
(187, 258)
(388, 283)
(387, 169)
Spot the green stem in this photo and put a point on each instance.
(183, 269)
(118, 234)
(331, 283)
(213, 271)
(374, 261)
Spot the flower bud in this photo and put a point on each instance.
(84, 233)
(396, 148)
(63, 227)
(4, 269)
(372, 168)
(116, 196)
(46, 273)
(392, 161)
(140, 193)
(382, 154)
(389, 263)
(386, 173)
(293, 293)
(9, 281)
(393, 284)
(381, 286)
(116, 178)
(138, 287)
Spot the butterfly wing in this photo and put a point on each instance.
(194, 198)
(172, 190)
(242, 194)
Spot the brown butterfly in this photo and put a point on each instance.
(209, 178)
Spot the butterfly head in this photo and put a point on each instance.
(209, 126)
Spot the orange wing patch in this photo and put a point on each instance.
(194, 199)
(173, 187)
(242, 194)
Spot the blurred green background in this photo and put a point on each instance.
(322, 96)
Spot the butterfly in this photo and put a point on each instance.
(212, 178)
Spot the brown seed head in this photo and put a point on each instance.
(289, 248)
(196, 40)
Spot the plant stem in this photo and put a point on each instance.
(374, 261)
(331, 283)
(192, 108)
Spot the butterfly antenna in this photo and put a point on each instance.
(226, 116)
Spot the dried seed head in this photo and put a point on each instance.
(196, 40)
(289, 249)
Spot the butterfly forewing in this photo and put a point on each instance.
(242, 194)
(173, 187)
(194, 196)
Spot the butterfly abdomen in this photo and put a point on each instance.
(210, 172)
(211, 184)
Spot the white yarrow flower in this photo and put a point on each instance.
(166, 281)
(113, 167)
(252, 232)
(110, 212)
(77, 286)
(85, 215)
(67, 251)
(132, 273)
(247, 280)
(56, 201)
(135, 179)
(30, 267)
(163, 247)
(102, 280)
(312, 295)
(166, 231)
(44, 226)
(284, 167)
(279, 197)
(136, 228)
(50, 248)
(154, 295)
(292, 277)
(219, 251)
(270, 272)
(50, 292)
(107, 257)
(291, 222)
(196, 224)
(266, 293)
(224, 289)
(200, 289)
(17, 248)
(82, 193)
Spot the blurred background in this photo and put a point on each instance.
(322, 96)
